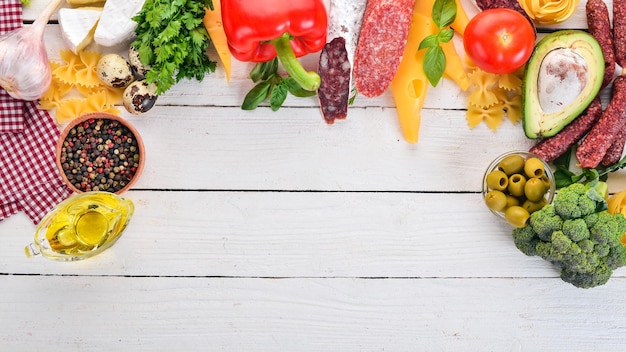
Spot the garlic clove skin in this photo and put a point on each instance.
(24, 68)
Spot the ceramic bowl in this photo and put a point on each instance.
(546, 176)
(100, 152)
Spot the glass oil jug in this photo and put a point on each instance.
(81, 226)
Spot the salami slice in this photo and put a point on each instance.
(551, 148)
(334, 71)
(619, 31)
(345, 18)
(381, 44)
(595, 145)
(600, 28)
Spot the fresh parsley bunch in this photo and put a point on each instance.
(172, 41)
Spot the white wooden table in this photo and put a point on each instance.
(273, 231)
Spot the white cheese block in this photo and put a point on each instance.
(116, 24)
(78, 26)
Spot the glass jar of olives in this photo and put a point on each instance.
(516, 184)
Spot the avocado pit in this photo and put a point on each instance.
(561, 68)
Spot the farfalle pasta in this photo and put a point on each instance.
(76, 89)
(549, 11)
(492, 97)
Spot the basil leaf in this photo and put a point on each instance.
(256, 96)
(278, 96)
(429, 42)
(445, 35)
(295, 89)
(444, 12)
(434, 64)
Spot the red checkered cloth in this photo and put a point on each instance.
(11, 109)
(29, 178)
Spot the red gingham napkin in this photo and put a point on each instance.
(11, 109)
(29, 178)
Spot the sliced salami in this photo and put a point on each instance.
(619, 31)
(595, 145)
(334, 71)
(381, 44)
(600, 28)
(551, 148)
(345, 18)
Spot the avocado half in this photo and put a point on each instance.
(563, 75)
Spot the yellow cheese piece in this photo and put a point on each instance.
(213, 23)
(410, 85)
(78, 3)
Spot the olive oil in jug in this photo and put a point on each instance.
(82, 226)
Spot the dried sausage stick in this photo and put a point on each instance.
(603, 133)
(600, 28)
(619, 31)
(551, 148)
(345, 18)
(334, 71)
(614, 153)
(381, 44)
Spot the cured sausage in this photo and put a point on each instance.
(595, 145)
(503, 4)
(345, 20)
(600, 28)
(551, 148)
(381, 44)
(614, 153)
(334, 71)
(619, 31)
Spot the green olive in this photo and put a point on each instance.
(511, 201)
(495, 200)
(534, 206)
(534, 167)
(497, 180)
(511, 164)
(534, 189)
(516, 216)
(546, 181)
(516, 185)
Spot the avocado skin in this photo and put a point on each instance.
(539, 124)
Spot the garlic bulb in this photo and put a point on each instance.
(24, 68)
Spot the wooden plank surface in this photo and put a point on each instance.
(273, 231)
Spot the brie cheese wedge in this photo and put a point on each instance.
(116, 24)
(78, 26)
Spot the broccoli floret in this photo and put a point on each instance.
(576, 229)
(598, 277)
(586, 245)
(545, 221)
(616, 257)
(577, 235)
(572, 202)
(606, 230)
(525, 240)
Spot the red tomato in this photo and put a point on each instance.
(499, 40)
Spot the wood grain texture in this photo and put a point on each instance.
(272, 231)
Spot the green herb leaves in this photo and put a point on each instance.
(172, 41)
(269, 84)
(443, 14)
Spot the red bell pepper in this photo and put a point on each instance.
(260, 30)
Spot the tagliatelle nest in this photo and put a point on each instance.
(77, 74)
(492, 97)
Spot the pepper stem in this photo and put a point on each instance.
(308, 80)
